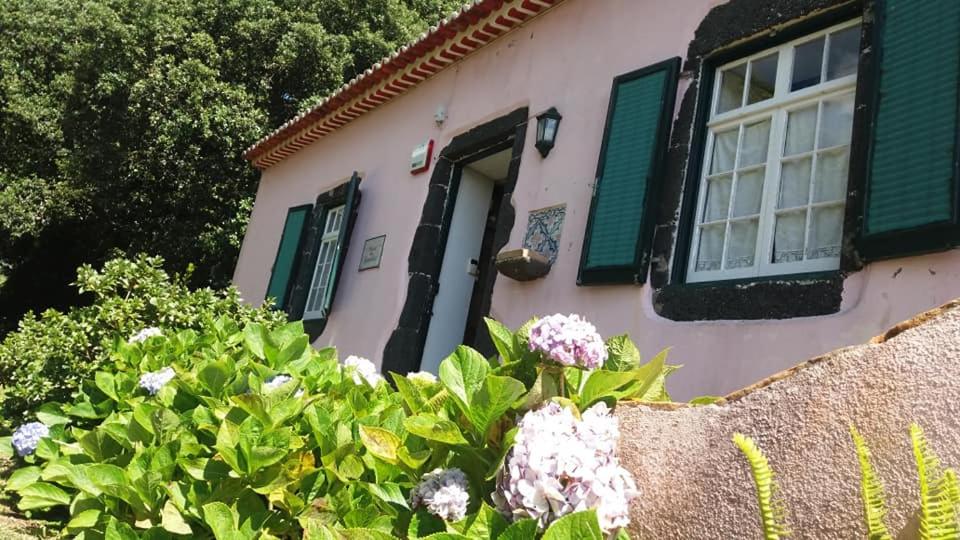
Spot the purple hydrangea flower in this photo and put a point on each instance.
(27, 437)
(363, 371)
(152, 382)
(144, 335)
(561, 464)
(569, 341)
(444, 494)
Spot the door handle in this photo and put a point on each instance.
(473, 268)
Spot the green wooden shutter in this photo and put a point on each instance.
(351, 204)
(911, 191)
(288, 255)
(620, 227)
(347, 194)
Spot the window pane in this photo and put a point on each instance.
(763, 78)
(789, 237)
(826, 228)
(724, 151)
(844, 53)
(807, 64)
(837, 124)
(756, 140)
(749, 193)
(831, 178)
(731, 88)
(711, 247)
(321, 275)
(718, 198)
(795, 183)
(742, 244)
(801, 128)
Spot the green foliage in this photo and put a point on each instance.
(123, 122)
(772, 512)
(219, 453)
(938, 516)
(49, 357)
(871, 489)
(939, 490)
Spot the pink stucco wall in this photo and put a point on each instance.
(567, 59)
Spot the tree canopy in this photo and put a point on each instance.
(122, 123)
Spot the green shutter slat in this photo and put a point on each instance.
(288, 253)
(913, 160)
(634, 143)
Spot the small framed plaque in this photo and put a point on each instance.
(372, 253)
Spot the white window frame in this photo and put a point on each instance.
(323, 269)
(776, 109)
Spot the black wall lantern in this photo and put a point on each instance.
(548, 123)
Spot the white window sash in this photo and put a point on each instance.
(326, 255)
(777, 109)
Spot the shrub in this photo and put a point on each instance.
(48, 357)
(258, 436)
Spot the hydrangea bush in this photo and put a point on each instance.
(48, 357)
(243, 434)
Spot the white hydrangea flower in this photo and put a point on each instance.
(27, 437)
(145, 334)
(423, 376)
(560, 464)
(152, 382)
(363, 371)
(444, 493)
(276, 382)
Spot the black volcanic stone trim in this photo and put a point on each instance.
(404, 349)
(426, 254)
(436, 201)
(730, 31)
(774, 299)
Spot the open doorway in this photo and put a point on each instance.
(458, 308)
(474, 177)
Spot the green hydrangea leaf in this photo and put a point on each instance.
(495, 397)
(502, 339)
(520, 530)
(462, 374)
(41, 495)
(380, 442)
(434, 428)
(22, 478)
(580, 525)
(622, 354)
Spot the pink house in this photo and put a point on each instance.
(749, 182)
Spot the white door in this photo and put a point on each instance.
(457, 275)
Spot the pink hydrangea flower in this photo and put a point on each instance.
(568, 340)
(561, 464)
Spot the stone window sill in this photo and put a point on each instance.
(778, 297)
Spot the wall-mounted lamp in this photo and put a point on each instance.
(548, 123)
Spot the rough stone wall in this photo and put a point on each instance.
(696, 485)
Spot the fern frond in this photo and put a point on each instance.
(938, 517)
(871, 489)
(953, 491)
(772, 511)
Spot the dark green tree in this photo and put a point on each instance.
(122, 123)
